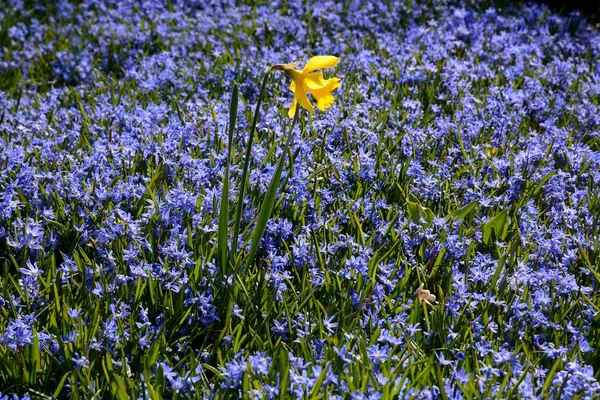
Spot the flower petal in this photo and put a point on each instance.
(323, 94)
(325, 102)
(292, 111)
(319, 62)
(315, 81)
(300, 97)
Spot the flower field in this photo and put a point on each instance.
(426, 226)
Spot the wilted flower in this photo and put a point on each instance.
(312, 81)
(425, 295)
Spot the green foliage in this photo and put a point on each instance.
(245, 280)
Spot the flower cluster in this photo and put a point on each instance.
(434, 234)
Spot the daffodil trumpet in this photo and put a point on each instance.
(310, 80)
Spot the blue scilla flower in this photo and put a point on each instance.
(17, 334)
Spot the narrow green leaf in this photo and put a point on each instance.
(160, 380)
(497, 225)
(588, 263)
(462, 212)
(153, 352)
(269, 201)
(151, 392)
(429, 215)
(224, 209)
(56, 297)
(284, 370)
(542, 182)
(246, 382)
(60, 386)
(550, 376)
(440, 381)
(121, 392)
(140, 285)
(496, 276)
(34, 358)
(319, 383)
(212, 369)
(240, 201)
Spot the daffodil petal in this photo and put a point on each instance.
(292, 110)
(319, 62)
(315, 81)
(324, 102)
(328, 87)
(302, 99)
(323, 94)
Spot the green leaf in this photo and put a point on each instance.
(240, 201)
(319, 383)
(152, 356)
(284, 371)
(117, 385)
(412, 198)
(56, 297)
(416, 211)
(542, 182)
(462, 212)
(269, 201)
(496, 276)
(212, 369)
(413, 211)
(160, 380)
(266, 209)
(588, 263)
(34, 358)
(224, 209)
(498, 224)
(440, 382)
(151, 392)
(61, 384)
(550, 376)
(246, 382)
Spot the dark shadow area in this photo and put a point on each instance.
(588, 8)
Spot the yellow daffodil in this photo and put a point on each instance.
(312, 81)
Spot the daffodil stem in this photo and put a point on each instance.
(242, 191)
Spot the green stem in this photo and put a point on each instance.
(242, 191)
